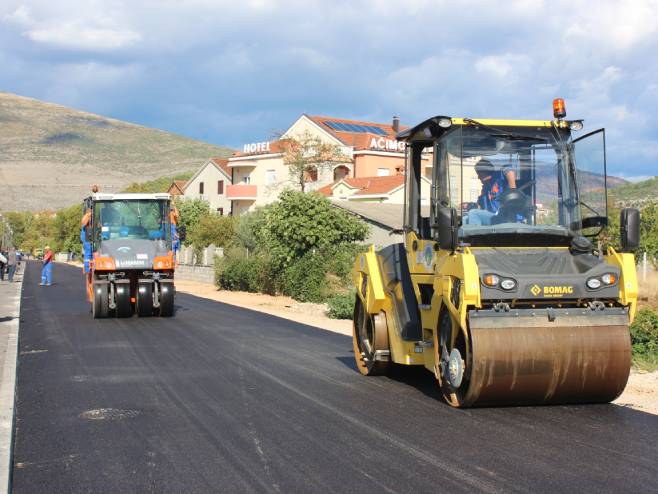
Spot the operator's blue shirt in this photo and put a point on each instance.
(492, 189)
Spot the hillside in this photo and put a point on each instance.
(636, 194)
(50, 154)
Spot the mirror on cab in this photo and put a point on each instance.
(182, 233)
(629, 226)
(448, 227)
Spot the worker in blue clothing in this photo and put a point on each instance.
(494, 184)
(47, 270)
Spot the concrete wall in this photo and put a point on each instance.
(200, 274)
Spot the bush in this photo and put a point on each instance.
(644, 338)
(299, 223)
(341, 305)
(212, 229)
(249, 274)
(305, 279)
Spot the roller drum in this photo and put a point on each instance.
(533, 360)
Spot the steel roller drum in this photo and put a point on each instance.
(531, 360)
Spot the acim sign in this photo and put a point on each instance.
(386, 144)
(256, 147)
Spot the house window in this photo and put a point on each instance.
(246, 180)
(201, 188)
(220, 211)
(271, 177)
(383, 172)
(220, 187)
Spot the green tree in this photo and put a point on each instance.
(157, 185)
(212, 229)
(250, 231)
(298, 223)
(306, 155)
(191, 211)
(66, 230)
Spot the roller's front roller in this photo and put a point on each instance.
(370, 340)
(551, 357)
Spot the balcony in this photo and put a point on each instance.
(241, 192)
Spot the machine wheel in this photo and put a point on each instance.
(122, 299)
(100, 306)
(167, 292)
(452, 355)
(370, 339)
(144, 304)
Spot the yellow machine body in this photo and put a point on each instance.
(553, 345)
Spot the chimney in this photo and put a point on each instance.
(396, 124)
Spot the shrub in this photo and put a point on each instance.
(305, 279)
(212, 229)
(644, 338)
(341, 305)
(249, 274)
(299, 223)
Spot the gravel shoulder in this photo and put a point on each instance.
(641, 392)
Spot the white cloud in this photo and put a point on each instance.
(77, 35)
(507, 66)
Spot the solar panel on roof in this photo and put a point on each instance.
(347, 127)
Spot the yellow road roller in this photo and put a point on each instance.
(501, 287)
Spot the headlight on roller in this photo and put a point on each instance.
(594, 283)
(609, 279)
(445, 122)
(491, 280)
(508, 284)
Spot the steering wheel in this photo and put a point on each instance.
(513, 200)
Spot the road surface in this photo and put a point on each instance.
(223, 399)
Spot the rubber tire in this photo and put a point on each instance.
(167, 294)
(124, 305)
(100, 307)
(144, 304)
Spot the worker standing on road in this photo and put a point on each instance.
(12, 261)
(3, 263)
(47, 270)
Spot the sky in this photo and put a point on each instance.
(232, 72)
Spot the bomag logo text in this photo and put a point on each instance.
(552, 291)
(558, 290)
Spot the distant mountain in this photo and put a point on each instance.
(636, 194)
(588, 182)
(50, 155)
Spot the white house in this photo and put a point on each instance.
(211, 183)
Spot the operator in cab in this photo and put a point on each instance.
(494, 184)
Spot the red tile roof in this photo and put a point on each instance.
(177, 187)
(358, 140)
(222, 164)
(367, 185)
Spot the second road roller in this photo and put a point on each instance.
(501, 287)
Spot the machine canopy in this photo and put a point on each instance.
(132, 219)
(519, 181)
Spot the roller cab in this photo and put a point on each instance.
(129, 243)
(499, 287)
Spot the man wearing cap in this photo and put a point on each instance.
(47, 270)
(494, 183)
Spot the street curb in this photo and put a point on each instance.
(9, 331)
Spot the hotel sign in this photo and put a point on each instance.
(382, 144)
(256, 147)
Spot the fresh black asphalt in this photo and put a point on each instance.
(223, 399)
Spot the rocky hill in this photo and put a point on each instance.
(50, 155)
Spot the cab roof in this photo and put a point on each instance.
(431, 128)
(101, 196)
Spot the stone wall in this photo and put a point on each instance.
(200, 274)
